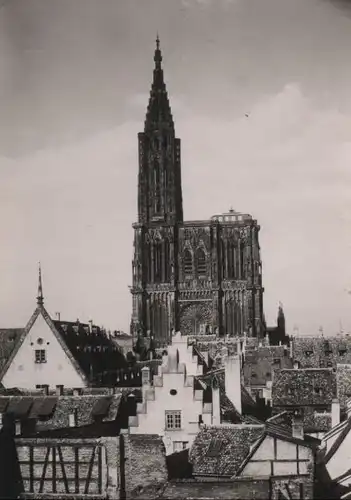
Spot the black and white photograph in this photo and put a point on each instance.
(175, 235)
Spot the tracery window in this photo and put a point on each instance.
(187, 262)
(201, 266)
(231, 254)
(166, 260)
(157, 261)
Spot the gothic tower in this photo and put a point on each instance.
(160, 210)
(197, 276)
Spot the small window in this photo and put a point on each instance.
(317, 390)
(40, 341)
(173, 392)
(308, 353)
(40, 356)
(173, 420)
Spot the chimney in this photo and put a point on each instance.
(18, 428)
(335, 412)
(73, 418)
(233, 380)
(297, 427)
(145, 379)
(58, 316)
(90, 326)
(77, 391)
(59, 390)
(216, 406)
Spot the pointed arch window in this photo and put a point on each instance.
(187, 263)
(201, 265)
(241, 251)
(231, 256)
(166, 261)
(157, 261)
(156, 184)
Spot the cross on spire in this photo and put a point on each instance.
(40, 297)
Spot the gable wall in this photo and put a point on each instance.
(58, 370)
(340, 462)
(276, 457)
(153, 421)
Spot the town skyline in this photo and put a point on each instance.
(68, 166)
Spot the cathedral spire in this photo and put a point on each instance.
(40, 297)
(158, 113)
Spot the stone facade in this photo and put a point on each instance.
(196, 276)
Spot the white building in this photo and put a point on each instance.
(174, 404)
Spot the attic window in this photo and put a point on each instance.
(40, 341)
(308, 353)
(214, 447)
(342, 351)
(173, 392)
(40, 356)
(317, 390)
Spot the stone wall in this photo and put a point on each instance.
(144, 462)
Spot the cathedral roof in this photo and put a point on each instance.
(159, 110)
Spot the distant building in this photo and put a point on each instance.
(310, 393)
(55, 352)
(196, 276)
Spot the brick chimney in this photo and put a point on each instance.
(59, 390)
(232, 367)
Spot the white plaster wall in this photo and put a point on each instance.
(58, 370)
(153, 422)
(341, 460)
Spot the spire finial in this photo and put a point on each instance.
(40, 297)
(158, 56)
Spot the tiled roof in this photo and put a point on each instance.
(305, 387)
(219, 451)
(259, 365)
(8, 339)
(91, 346)
(52, 412)
(315, 352)
(343, 377)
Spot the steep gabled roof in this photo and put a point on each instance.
(8, 340)
(337, 443)
(40, 310)
(220, 450)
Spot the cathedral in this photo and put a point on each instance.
(199, 276)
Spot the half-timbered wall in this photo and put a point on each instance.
(276, 457)
(67, 467)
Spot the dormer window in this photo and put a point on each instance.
(342, 351)
(317, 390)
(308, 353)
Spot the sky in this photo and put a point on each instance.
(74, 82)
